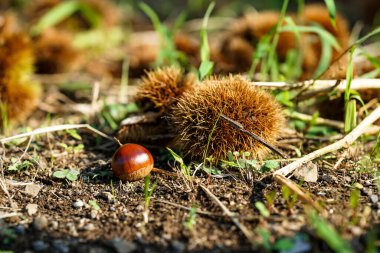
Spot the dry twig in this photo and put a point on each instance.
(357, 84)
(250, 236)
(280, 175)
(54, 129)
(343, 143)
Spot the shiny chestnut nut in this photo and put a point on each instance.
(132, 162)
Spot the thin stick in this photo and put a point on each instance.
(297, 190)
(7, 215)
(322, 121)
(240, 127)
(357, 84)
(161, 201)
(54, 129)
(95, 97)
(345, 142)
(250, 236)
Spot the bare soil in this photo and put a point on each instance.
(66, 222)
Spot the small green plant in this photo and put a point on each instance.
(206, 67)
(240, 160)
(269, 165)
(375, 153)
(148, 192)
(94, 205)
(283, 244)
(265, 55)
(270, 198)
(371, 239)
(7, 235)
(327, 233)
(73, 133)
(191, 218)
(289, 196)
(351, 96)
(17, 165)
(68, 174)
(265, 238)
(354, 203)
(72, 149)
(113, 114)
(262, 209)
(185, 170)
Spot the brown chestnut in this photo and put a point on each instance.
(132, 162)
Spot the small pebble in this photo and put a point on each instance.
(108, 196)
(89, 227)
(367, 191)
(54, 225)
(347, 179)
(40, 222)
(61, 246)
(178, 247)
(78, 204)
(139, 208)
(112, 209)
(94, 214)
(122, 246)
(72, 230)
(374, 199)
(39, 245)
(19, 229)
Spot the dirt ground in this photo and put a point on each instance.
(64, 221)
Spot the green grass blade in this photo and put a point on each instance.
(179, 21)
(56, 15)
(152, 16)
(90, 14)
(350, 116)
(373, 33)
(326, 232)
(328, 43)
(330, 4)
(206, 66)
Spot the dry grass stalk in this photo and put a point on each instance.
(343, 143)
(247, 233)
(54, 129)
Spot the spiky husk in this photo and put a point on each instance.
(197, 111)
(19, 94)
(16, 54)
(20, 99)
(55, 52)
(160, 88)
